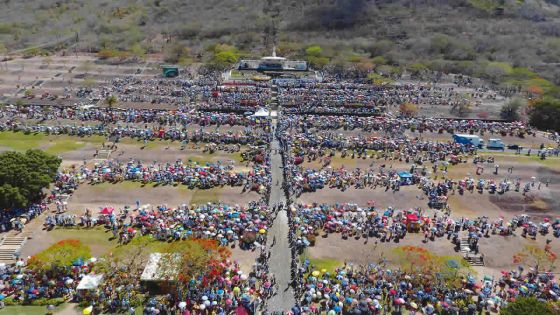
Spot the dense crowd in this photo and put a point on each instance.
(224, 289)
(191, 174)
(243, 226)
(403, 124)
(374, 289)
(182, 116)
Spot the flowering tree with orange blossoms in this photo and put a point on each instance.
(535, 90)
(198, 259)
(416, 259)
(536, 257)
(421, 263)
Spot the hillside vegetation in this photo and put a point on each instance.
(494, 39)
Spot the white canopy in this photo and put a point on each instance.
(90, 282)
(263, 112)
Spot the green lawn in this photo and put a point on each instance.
(25, 310)
(552, 162)
(52, 144)
(325, 263)
(201, 196)
(97, 238)
(19, 141)
(64, 146)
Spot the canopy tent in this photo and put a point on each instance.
(90, 282)
(107, 210)
(406, 178)
(412, 218)
(263, 112)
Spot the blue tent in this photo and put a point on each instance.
(406, 178)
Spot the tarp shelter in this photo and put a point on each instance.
(161, 267)
(412, 218)
(412, 224)
(262, 112)
(107, 211)
(406, 178)
(90, 282)
(170, 71)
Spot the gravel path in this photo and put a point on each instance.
(280, 258)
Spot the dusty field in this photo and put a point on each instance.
(497, 250)
(55, 73)
(127, 193)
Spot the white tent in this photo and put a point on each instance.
(90, 282)
(263, 112)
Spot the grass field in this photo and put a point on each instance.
(52, 144)
(202, 196)
(25, 310)
(329, 264)
(97, 238)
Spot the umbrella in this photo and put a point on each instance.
(182, 305)
(452, 264)
(107, 211)
(315, 273)
(88, 310)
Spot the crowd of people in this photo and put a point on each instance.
(222, 290)
(192, 174)
(375, 289)
(353, 221)
(338, 116)
(229, 225)
(182, 116)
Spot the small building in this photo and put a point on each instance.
(170, 71)
(161, 272)
(273, 63)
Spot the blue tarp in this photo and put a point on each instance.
(405, 175)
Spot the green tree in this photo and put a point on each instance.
(111, 100)
(24, 176)
(510, 110)
(138, 51)
(545, 114)
(223, 56)
(314, 51)
(526, 306)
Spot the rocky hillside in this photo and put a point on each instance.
(489, 37)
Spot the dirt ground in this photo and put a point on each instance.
(497, 250)
(127, 193)
(53, 74)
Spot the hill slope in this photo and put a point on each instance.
(454, 33)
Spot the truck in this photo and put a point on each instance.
(468, 139)
(496, 144)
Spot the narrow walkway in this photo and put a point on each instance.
(281, 255)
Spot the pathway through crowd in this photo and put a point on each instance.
(280, 258)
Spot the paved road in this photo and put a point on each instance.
(280, 258)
